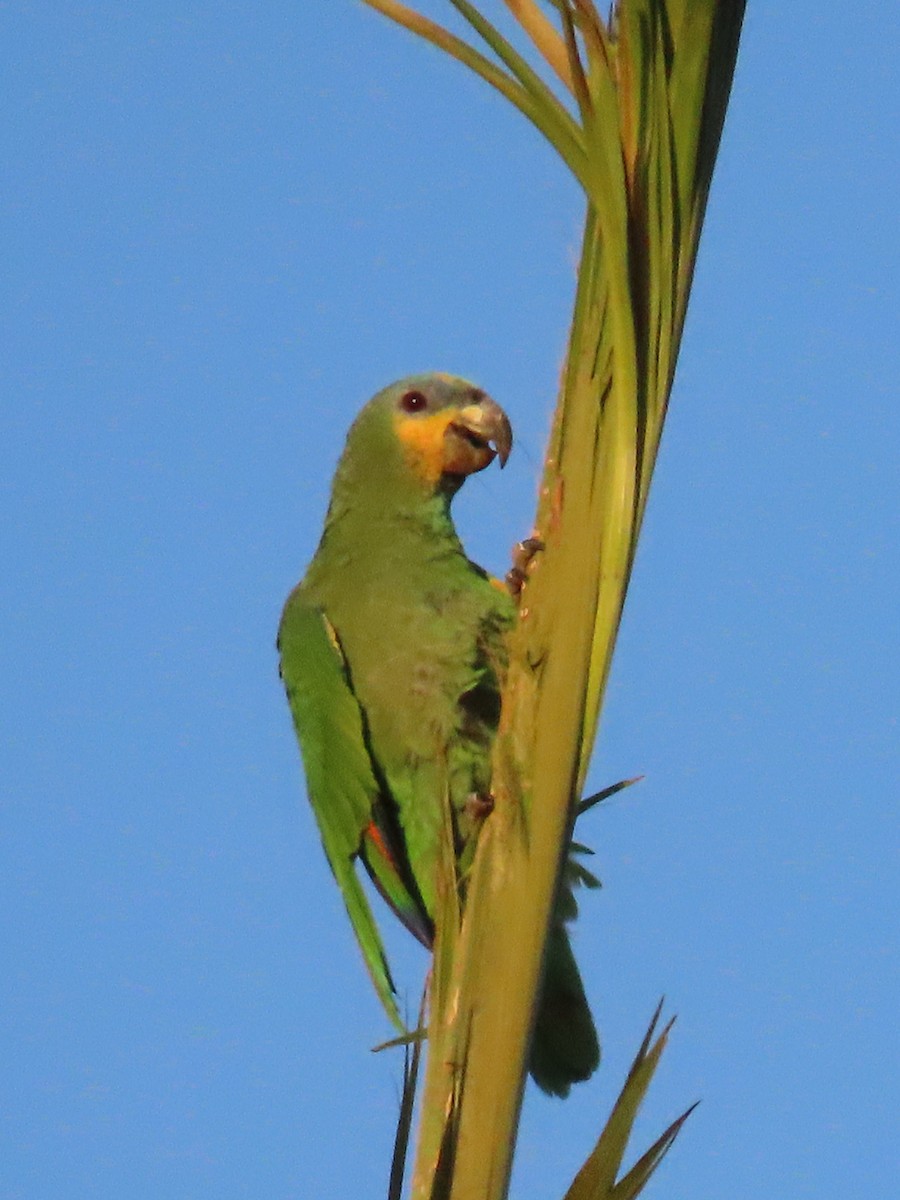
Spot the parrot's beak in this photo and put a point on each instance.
(486, 428)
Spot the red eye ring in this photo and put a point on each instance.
(413, 401)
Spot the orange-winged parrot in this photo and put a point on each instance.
(393, 654)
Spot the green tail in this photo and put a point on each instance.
(565, 1048)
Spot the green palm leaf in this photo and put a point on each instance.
(599, 1178)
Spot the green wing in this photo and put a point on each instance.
(340, 781)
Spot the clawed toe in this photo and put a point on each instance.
(523, 555)
(480, 805)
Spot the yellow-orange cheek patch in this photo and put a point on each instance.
(422, 439)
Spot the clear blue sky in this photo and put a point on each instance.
(224, 227)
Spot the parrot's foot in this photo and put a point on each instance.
(479, 806)
(523, 555)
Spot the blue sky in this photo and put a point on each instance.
(225, 226)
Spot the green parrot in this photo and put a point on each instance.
(393, 651)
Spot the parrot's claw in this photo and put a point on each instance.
(523, 555)
(479, 805)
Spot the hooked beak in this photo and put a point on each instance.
(486, 426)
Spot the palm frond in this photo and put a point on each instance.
(650, 88)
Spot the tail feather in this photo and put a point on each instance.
(565, 1048)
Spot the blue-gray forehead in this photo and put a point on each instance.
(440, 389)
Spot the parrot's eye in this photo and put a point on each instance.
(413, 402)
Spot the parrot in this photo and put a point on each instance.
(392, 654)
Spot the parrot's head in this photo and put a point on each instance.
(430, 431)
